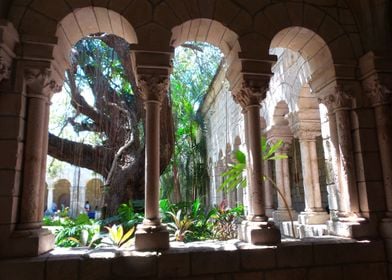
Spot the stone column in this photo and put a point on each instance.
(282, 178)
(151, 234)
(268, 190)
(339, 103)
(314, 212)
(256, 229)
(50, 199)
(380, 97)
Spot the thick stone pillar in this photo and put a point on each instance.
(339, 104)
(380, 97)
(257, 229)
(39, 89)
(151, 234)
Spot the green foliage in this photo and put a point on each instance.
(79, 232)
(126, 216)
(234, 176)
(194, 67)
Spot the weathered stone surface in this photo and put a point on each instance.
(214, 262)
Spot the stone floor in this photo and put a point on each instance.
(311, 258)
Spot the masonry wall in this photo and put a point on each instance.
(307, 260)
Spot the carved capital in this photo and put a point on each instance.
(280, 133)
(338, 99)
(5, 65)
(153, 87)
(304, 129)
(39, 81)
(378, 92)
(250, 94)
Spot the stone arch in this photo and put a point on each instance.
(334, 30)
(313, 49)
(94, 193)
(62, 193)
(216, 34)
(84, 22)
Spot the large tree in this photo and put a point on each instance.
(102, 64)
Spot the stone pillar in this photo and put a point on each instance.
(314, 213)
(151, 234)
(339, 104)
(256, 229)
(39, 89)
(50, 199)
(282, 174)
(380, 97)
(268, 190)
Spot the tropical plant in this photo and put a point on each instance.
(226, 220)
(81, 231)
(180, 225)
(118, 237)
(126, 216)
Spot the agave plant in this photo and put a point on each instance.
(117, 237)
(180, 225)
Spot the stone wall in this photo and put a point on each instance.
(307, 260)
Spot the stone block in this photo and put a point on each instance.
(294, 255)
(11, 156)
(340, 253)
(365, 271)
(259, 233)
(214, 262)
(52, 9)
(146, 240)
(143, 16)
(11, 128)
(9, 208)
(26, 269)
(248, 276)
(173, 265)
(286, 274)
(95, 269)
(28, 243)
(10, 182)
(62, 268)
(326, 273)
(12, 104)
(258, 259)
(136, 265)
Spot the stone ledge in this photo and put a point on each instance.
(335, 257)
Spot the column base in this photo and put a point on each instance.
(259, 233)
(359, 228)
(281, 215)
(151, 238)
(313, 218)
(28, 243)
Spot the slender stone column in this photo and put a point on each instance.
(50, 199)
(151, 234)
(339, 103)
(256, 229)
(268, 190)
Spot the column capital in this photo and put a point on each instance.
(304, 129)
(337, 99)
(8, 39)
(379, 91)
(40, 81)
(280, 133)
(153, 87)
(250, 93)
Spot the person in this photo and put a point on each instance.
(87, 206)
